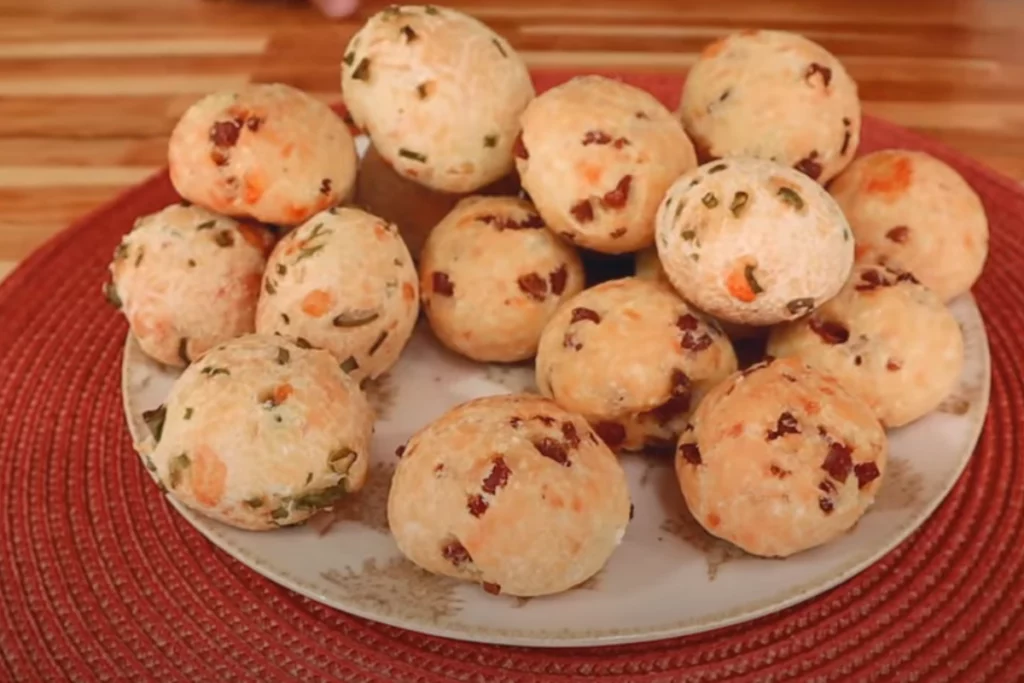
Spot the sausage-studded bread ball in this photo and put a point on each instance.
(439, 93)
(886, 338)
(187, 280)
(634, 359)
(414, 208)
(261, 433)
(910, 210)
(753, 242)
(343, 281)
(491, 277)
(596, 157)
(266, 151)
(780, 459)
(773, 95)
(512, 492)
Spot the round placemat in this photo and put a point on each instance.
(101, 579)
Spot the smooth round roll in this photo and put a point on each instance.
(634, 359)
(780, 459)
(911, 211)
(512, 492)
(773, 95)
(343, 281)
(260, 433)
(753, 242)
(491, 277)
(187, 280)
(439, 93)
(886, 338)
(596, 157)
(266, 151)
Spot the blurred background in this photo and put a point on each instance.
(90, 89)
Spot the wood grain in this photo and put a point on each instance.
(90, 89)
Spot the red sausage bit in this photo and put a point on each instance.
(866, 473)
(838, 463)
(571, 436)
(497, 478)
(492, 588)
(692, 341)
(559, 277)
(830, 332)
(612, 433)
(826, 505)
(809, 166)
(787, 424)
(899, 234)
(824, 71)
(679, 399)
(553, 450)
(477, 505)
(580, 314)
(617, 198)
(892, 365)
(779, 472)
(690, 453)
(582, 211)
(441, 284)
(596, 137)
(534, 286)
(225, 133)
(456, 553)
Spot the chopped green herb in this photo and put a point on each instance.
(490, 141)
(716, 168)
(206, 225)
(154, 419)
(121, 251)
(362, 71)
(254, 502)
(398, 262)
(279, 513)
(390, 286)
(846, 235)
(327, 497)
(309, 478)
(160, 485)
(709, 200)
(281, 269)
(306, 252)
(695, 182)
(285, 319)
(798, 306)
(379, 341)
(317, 231)
(679, 209)
(224, 239)
(283, 356)
(430, 9)
(739, 200)
(349, 58)
(748, 273)
(501, 49)
(415, 156)
(191, 263)
(695, 257)
(175, 468)
(269, 286)
(789, 196)
(409, 34)
(138, 259)
(148, 462)
(349, 365)
(213, 371)
(689, 235)
(340, 460)
(188, 414)
(110, 292)
(302, 343)
(355, 318)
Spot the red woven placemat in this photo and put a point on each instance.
(101, 579)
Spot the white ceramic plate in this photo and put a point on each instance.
(668, 577)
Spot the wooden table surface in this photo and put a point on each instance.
(90, 89)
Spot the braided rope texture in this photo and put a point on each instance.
(101, 580)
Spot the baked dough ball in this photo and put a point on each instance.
(512, 492)
(886, 338)
(596, 157)
(912, 211)
(439, 94)
(266, 151)
(773, 95)
(261, 433)
(343, 281)
(491, 277)
(780, 459)
(414, 208)
(186, 280)
(753, 242)
(634, 359)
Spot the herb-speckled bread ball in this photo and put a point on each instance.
(886, 338)
(187, 279)
(753, 242)
(910, 210)
(439, 94)
(634, 359)
(596, 157)
(491, 276)
(780, 459)
(343, 281)
(773, 95)
(512, 492)
(266, 151)
(261, 433)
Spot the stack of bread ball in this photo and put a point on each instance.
(501, 196)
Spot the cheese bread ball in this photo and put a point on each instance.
(512, 492)
(634, 359)
(910, 210)
(266, 151)
(260, 433)
(491, 277)
(596, 157)
(773, 95)
(753, 242)
(886, 338)
(780, 459)
(343, 281)
(414, 208)
(186, 280)
(439, 93)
